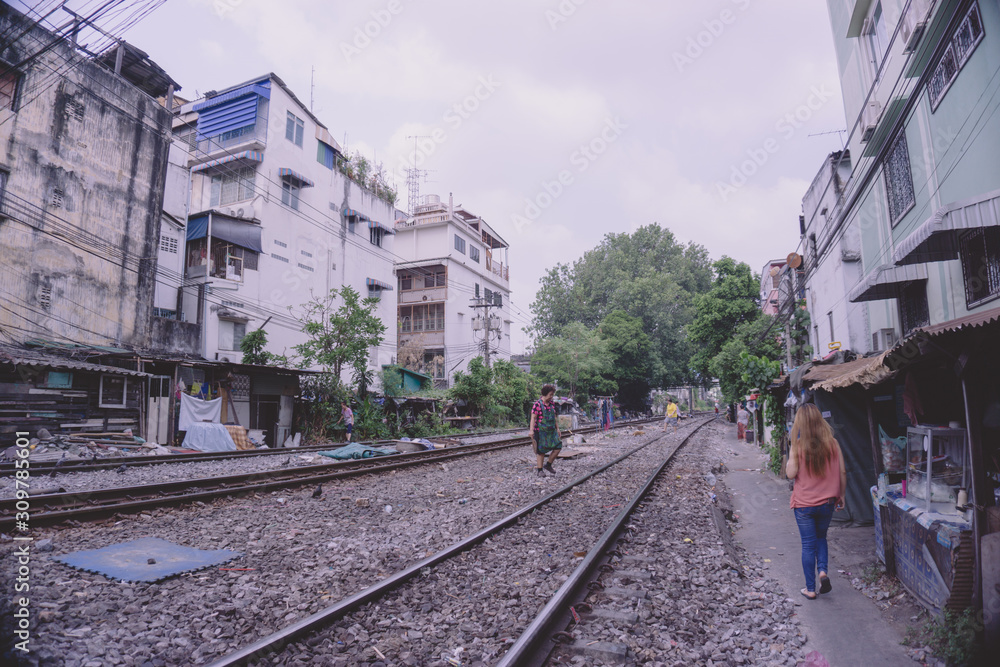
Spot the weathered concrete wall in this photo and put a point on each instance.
(174, 336)
(86, 153)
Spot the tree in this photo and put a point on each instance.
(252, 345)
(799, 333)
(646, 274)
(578, 359)
(630, 351)
(733, 299)
(473, 387)
(340, 337)
(759, 337)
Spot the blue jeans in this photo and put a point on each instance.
(813, 523)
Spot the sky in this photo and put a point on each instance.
(557, 121)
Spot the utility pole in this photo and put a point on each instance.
(485, 321)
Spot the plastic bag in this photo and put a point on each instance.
(816, 659)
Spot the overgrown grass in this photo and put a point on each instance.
(774, 462)
(951, 638)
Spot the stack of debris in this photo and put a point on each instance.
(80, 446)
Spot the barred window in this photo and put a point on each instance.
(913, 310)
(963, 43)
(898, 180)
(980, 253)
(168, 244)
(233, 186)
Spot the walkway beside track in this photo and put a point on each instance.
(844, 625)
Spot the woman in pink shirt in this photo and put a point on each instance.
(816, 464)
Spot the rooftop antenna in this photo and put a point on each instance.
(312, 89)
(413, 176)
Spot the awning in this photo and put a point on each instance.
(886, 281)
(375, 224)
(288, 174)
(238, 232)
(351, 213)
(244, 157)
(937, 239)
(371, 282)
(866, 372)
(262, 88)
(910, 347)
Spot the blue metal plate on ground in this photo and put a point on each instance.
(129, 561)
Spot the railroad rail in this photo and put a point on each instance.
(54, 508)
(532, 647)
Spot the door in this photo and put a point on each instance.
(284, 426)
(158, 414)
(264, 409)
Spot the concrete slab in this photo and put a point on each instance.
(844, 625)
(596, 648)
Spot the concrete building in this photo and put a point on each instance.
(454, 290)
(772, 296)
(276, 219)
(923, 196)
(82, 175)
(832, 264)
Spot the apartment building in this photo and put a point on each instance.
(454, 290)
(923, 195)
(276, 218)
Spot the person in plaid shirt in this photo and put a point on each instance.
(543, 430)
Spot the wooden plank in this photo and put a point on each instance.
(727, 538)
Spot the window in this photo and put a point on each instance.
(498, 299)
(488, 295)
(45, 297)
(425, 317)
(980, 253)
(405, 282)
(9, 80)
(59, 380)
(474, 253)
(168, 244)
(306, 267)
(113, 391)
(229, 261)
(477, 290)
(233, 186)
(459, 244)
(290, 194)
(878, 39)
(306, 253)
(434, 363)
(164, 312)
(963, 43)
(376, 235)
(436, 279)
(326, 155)
(913, 311)
(280, 258)
(294, 129)
(75, 109)
(898, 180)
(280, 244)
(230, 334)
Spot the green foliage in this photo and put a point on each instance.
(733, 300)
(369, 421)
(498, 395)
(321, 407)
(630, 351)
(799, 334)
(340, 337)
(646, 274)
(578, 360)
(757, 372)
(951, 638)
(756, 337)
(391, 379)
(252, 345)
(368, 175)
(774, 458)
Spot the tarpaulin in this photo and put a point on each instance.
(358, 451)
(208, 438)
(195, 411)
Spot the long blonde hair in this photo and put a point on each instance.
(815, 438)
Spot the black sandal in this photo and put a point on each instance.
(824, 585)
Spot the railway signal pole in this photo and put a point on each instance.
(487, 323)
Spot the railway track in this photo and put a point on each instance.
(310, 636)
(87, 465)
(54, 508)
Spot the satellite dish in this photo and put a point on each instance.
(794, 260)
(774, 271)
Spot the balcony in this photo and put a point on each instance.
(251, 138)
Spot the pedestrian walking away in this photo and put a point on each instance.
(347, 416)
(544, 431)
(816, 464)
(672, 416)
(742, 419)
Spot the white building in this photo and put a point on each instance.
(833, 265)
(454, 290)
(273, 221)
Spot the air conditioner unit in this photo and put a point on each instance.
(883, 339)
(869, 120)
(219, 357)
(913, 24)
(246, 212)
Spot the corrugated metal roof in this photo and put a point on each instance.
(886, 281)
(28, 358)
(936, 240)
(970, 321)
(866, 372)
